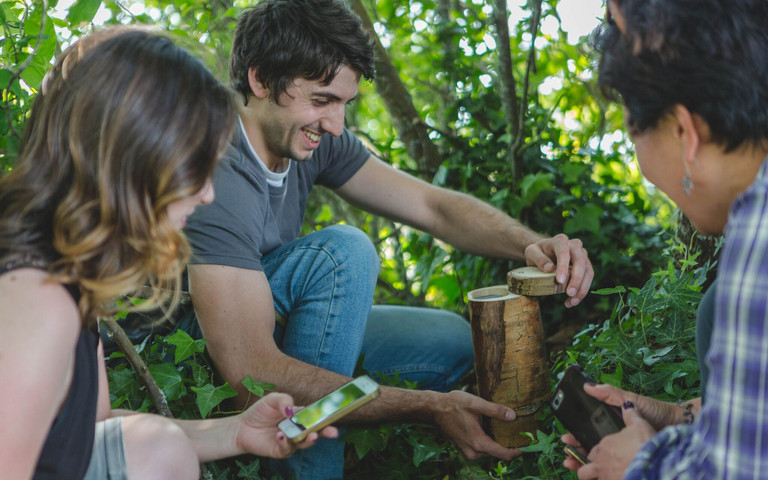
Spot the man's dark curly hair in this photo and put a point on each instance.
(710, 56)
(288, 39)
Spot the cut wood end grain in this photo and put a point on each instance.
(532, 282)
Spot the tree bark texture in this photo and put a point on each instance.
(506, 78)
(510, 358)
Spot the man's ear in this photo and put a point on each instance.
(257, 88)
(688, 131)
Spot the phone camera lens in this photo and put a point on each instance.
(557, 400)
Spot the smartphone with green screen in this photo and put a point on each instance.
(330, 408)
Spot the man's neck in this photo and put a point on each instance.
(255, 137)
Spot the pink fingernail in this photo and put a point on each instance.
(289, 411)
(280, 436)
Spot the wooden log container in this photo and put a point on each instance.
(510, 359)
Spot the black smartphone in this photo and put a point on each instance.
(576, 454)
(586, 417)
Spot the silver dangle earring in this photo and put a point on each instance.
(687, 182)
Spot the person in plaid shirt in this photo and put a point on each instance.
(693, 78)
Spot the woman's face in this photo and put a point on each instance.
(660, 159)
(660, 155)
(180, 210)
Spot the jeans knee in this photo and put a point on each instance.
(352, 246)
(459, 339)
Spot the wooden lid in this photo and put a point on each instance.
(532, 282)
(491, 294)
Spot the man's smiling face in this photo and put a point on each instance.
(307, 110)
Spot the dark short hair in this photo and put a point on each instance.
(287, 39)
(710, 56)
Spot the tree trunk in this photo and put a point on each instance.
(506, 79)
(411, 129)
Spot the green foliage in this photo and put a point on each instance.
(27, 46)
(184, 374)
(648, 343)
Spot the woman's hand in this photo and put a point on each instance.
(657, 413)
(258, 433)
(611, 457)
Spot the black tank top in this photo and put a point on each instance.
(67, 450)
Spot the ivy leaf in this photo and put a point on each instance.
(186, 346)
(572, 171)
(533, 184)
(83, 11)
(257, 388)
(209, 397)
(121, 382)
(364, 440)
(586, 218)
(169, 380)
(200, 374)
(424, 449)
(35, 71)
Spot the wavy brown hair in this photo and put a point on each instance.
(125, 124)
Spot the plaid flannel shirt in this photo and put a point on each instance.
(729, 439)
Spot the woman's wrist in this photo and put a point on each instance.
(686, 415)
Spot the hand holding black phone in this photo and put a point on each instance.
(586, 417)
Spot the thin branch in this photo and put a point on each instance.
(125, 9)
(122, 341)
(535, 19)
(507, 90)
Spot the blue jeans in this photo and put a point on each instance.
(323, 285)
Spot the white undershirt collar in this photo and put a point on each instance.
(273, 178)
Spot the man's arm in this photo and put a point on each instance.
(466, 223)
(236, 314)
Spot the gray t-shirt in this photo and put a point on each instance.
(249, 217)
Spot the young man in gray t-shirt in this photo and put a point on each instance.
(296, 64)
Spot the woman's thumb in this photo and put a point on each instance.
(629, 413)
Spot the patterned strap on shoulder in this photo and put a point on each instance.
(24, 261)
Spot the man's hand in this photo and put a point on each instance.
(458, 416)
(565, 253)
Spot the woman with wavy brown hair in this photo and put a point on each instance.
(119, 149)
